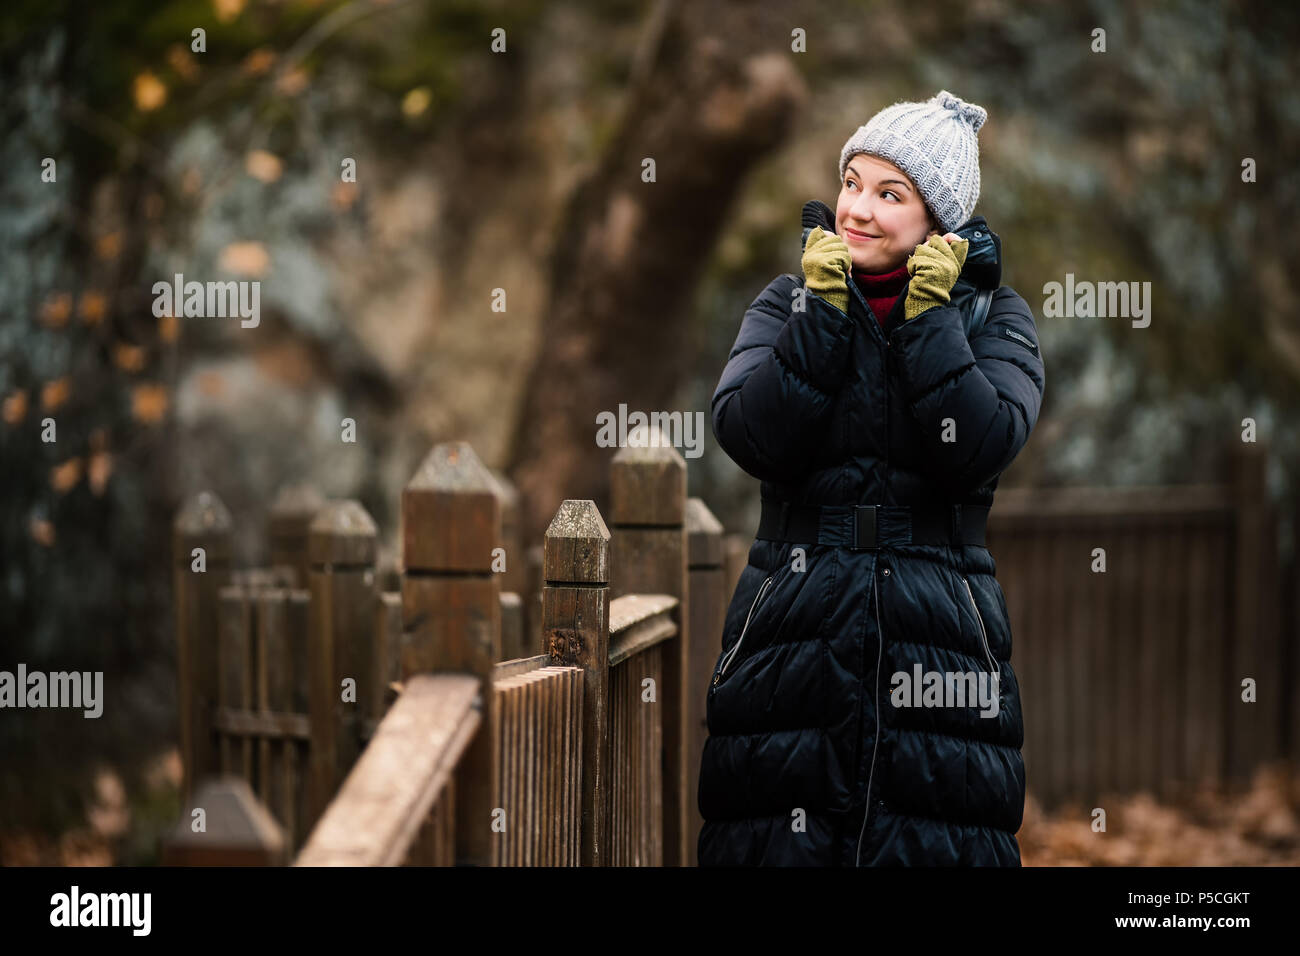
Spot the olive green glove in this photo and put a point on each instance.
(827, 264)
(934, 268)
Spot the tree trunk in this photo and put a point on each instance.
(629, 253)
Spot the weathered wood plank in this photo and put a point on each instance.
(391, 789)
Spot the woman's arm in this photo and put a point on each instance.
(772, 403)
(991, 387)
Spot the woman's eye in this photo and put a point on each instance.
(889, 192)
(849, 183)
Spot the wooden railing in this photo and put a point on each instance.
(398, 803)
(1131, 677)
(576, 755)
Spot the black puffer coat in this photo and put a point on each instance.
(825, 408)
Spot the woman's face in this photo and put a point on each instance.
(880, 215)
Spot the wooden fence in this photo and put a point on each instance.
(564, 726)
(450, 748)
(1131, 678)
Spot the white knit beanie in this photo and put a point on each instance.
(935, 144)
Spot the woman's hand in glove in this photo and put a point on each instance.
(827, 265)
(934, 268)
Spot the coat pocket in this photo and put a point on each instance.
(993, 667)
(725, 661)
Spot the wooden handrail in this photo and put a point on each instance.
(638, 622)
(379, 809)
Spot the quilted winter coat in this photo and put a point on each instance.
(808, 761)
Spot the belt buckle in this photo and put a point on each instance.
(864, 527)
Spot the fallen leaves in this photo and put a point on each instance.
(92, 308)
(148, 91)
(259, 62)
(180, 59)
(148, 403)
(109, 245)
(1260, 826)
(42, 531)
(98, 469)
(15, 407)
(416, 101)
(128, 357)
(64, 477)
(56, 310)
(109, 814)
(343, 195)
(263, 166)
(245, 258)
(227, 10)
(54, 393)
(292, 83)
(212, 384)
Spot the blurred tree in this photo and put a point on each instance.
(629, 253)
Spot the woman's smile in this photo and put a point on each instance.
(856, 236)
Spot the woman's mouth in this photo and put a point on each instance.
(858, 236)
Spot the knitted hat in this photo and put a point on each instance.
(935, 144)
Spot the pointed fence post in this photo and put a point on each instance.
(291, 514)
(451, 612)
(237, 829)
(200, 537)
(575, 626)
(708, 610)
(341, 550)
(648, 508)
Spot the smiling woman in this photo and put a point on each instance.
(878, 434)
(880, 215)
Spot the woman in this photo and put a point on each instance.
(863, 710)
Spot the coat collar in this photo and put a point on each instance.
(983, 266)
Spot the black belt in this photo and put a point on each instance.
(873, 526)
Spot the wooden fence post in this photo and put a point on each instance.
(575, 626)
(735, 555)
(514, 579)
(708, 609)
(451, 611)
(341, 550)
(202, 523)
(291, 514)
(648, 507)
(235, 690)
(1255, 650)
(535, 642)
(283, 634)
(238, 830)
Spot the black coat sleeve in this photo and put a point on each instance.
(773, 402)
(990, 386)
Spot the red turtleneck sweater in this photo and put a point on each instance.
(882, 289)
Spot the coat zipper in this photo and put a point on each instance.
(875, 747)
(880, 634)
(993, 667)
(726, 661)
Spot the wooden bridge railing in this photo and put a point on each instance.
(557, 758)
